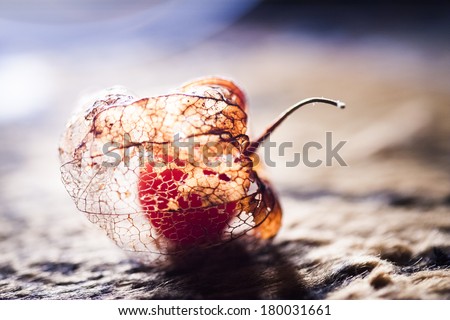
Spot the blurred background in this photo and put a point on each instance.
(389, 64)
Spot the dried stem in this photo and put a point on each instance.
(255, 144)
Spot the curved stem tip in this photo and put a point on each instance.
(255, 144)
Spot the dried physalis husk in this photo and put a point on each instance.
(166, 174)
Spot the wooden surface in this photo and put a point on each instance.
(378, 228)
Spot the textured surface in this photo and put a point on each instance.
(378, 228)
